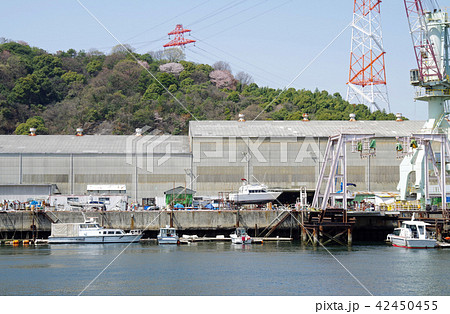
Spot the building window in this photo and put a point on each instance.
(104, 200)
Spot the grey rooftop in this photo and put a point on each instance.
(120, 144)
(315, 128)
(95, 144)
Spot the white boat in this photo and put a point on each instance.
(253, 194)
(240, 236)
(350, 194)
(412, 235)
(90, 232)
(168, 235)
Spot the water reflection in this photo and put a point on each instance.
(216, 268)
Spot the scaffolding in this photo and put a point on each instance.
(336, 160)
(439, 167)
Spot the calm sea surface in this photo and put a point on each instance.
(222, 269)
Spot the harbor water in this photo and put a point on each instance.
(222, 269)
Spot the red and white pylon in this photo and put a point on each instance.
(367, 75)
(179, 39)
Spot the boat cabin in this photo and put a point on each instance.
(412, 229)
(168, 232)
(252, 189)
(241, 232)
(89, 226)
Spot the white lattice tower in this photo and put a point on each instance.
(367, 75)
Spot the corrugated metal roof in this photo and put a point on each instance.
(100, 144)
(119, 144)
(301, 129)
(179, 190)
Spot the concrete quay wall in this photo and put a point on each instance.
(23, 221)
(19, 224)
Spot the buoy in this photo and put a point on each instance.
(26, 242)
(15, 242)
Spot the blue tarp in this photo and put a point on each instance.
(178, 205)
(209, 206)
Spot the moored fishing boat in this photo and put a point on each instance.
(412, 235)
(168, 235)
(90, 232)
(240, 236)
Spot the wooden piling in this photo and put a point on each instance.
(304, 235)
(438, 233)
(329, 225)
(315, 236)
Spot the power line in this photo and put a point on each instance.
(218, 58)
(252, 18)
(167, 21)
(237, 58)
(134, 57)
(233, 15)
(218, 11)
(307, 66)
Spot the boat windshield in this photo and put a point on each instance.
(421, 229)
(413, 229)
(168, 232)
(396, 232)
(89, 226)
(240, 231)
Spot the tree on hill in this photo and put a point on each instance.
(34, 122)
(117, 92)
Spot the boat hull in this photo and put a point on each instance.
(254, 198)
(168, 240)
(411, 243)
(245, 239)
(240, 241)
(131, 238)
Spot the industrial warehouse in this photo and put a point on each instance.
(211, 160)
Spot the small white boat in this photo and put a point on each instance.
(90, 232)
(168, 235)
(240, 236)
(253, 194)
(350, 195)
(412, 235)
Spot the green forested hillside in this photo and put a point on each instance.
(114, 94)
